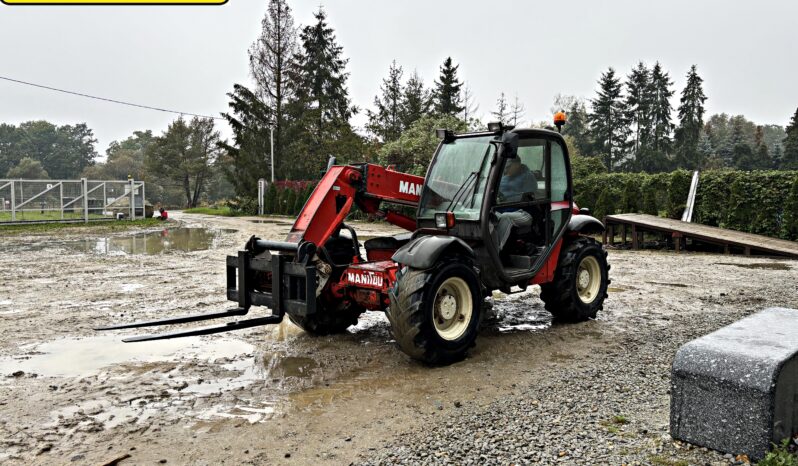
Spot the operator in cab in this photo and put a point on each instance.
(517, 180)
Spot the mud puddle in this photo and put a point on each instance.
(273, 222)
(759, 265)
(77, 357)
(519, 312)
(157, 242)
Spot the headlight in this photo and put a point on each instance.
(444, 220)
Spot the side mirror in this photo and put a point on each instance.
(510, 144)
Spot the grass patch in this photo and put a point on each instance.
(38, 216)
(107, 226)
(662, 461)
(620, 419)
(781, 455)
(221, 211)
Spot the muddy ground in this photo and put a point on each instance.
(274, 395)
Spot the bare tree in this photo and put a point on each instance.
(501, 113)
(517, 110)
(470, 107)
(270, 57)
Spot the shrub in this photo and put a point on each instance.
(789, 228)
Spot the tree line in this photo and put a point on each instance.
(298, 99)
(629, 126)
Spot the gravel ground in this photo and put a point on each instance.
(589, 393)
(610, 407)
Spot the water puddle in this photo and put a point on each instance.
(520, 312)
(157, 242)
(759, 265)
(80, 357)
(676, 285)
(274, 222)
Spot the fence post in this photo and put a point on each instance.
(143, 202)
(132, 199)
(261, 194)
(85, 185)
(13, 202)
(61, 198)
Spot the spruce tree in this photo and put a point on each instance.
(608, 121)
(638, 101)
(321, 107)
(661, 126)
(386, 121)
(691, 120)
(789, 161)
(762, 160)
(250, 119)
(269, 61)
(778, 155)
(501, 113)
(415, 100)
(446, 95)
(578, 126)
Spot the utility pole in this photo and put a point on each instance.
(271, 142)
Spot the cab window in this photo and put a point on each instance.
(523, 178)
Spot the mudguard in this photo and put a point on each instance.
(585, 224)
(423, 252)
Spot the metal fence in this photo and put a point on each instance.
(29, 201)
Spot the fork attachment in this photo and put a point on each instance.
(284, 286)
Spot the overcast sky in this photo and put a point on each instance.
(188, 57)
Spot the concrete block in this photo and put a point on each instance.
(736, 389)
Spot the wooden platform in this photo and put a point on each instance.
(747, 243)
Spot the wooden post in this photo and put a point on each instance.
(85, 187)
(612, 234)
(635, 244)
(747, 251)
(726, 249)
(13, 202)
(623, 235)
(677, 242)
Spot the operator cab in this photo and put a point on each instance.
(516, 181)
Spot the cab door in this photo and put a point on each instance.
(534, 193)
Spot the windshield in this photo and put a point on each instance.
(456, 180)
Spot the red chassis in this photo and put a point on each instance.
(368, 186)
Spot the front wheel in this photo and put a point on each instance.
(435, 313)
(580, 282)
(328, 320)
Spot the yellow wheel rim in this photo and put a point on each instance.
(452, 309)
(588, 279)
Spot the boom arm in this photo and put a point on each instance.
(365, 185)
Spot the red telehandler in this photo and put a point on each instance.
(495, 210)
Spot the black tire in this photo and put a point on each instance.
(561, 296)
(412, 310)
(327, 321)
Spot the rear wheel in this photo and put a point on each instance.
(435, 313)
(580, 282)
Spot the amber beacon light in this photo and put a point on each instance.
(114, 2)
(559, 120)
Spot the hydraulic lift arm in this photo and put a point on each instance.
(293, 276)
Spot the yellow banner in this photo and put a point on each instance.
(114, 2)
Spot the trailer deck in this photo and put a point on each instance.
(731, 241)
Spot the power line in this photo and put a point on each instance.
(104, 99)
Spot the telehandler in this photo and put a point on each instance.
(494, 211)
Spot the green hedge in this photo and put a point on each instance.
(761, 202)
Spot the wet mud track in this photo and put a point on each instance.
(272, 395)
